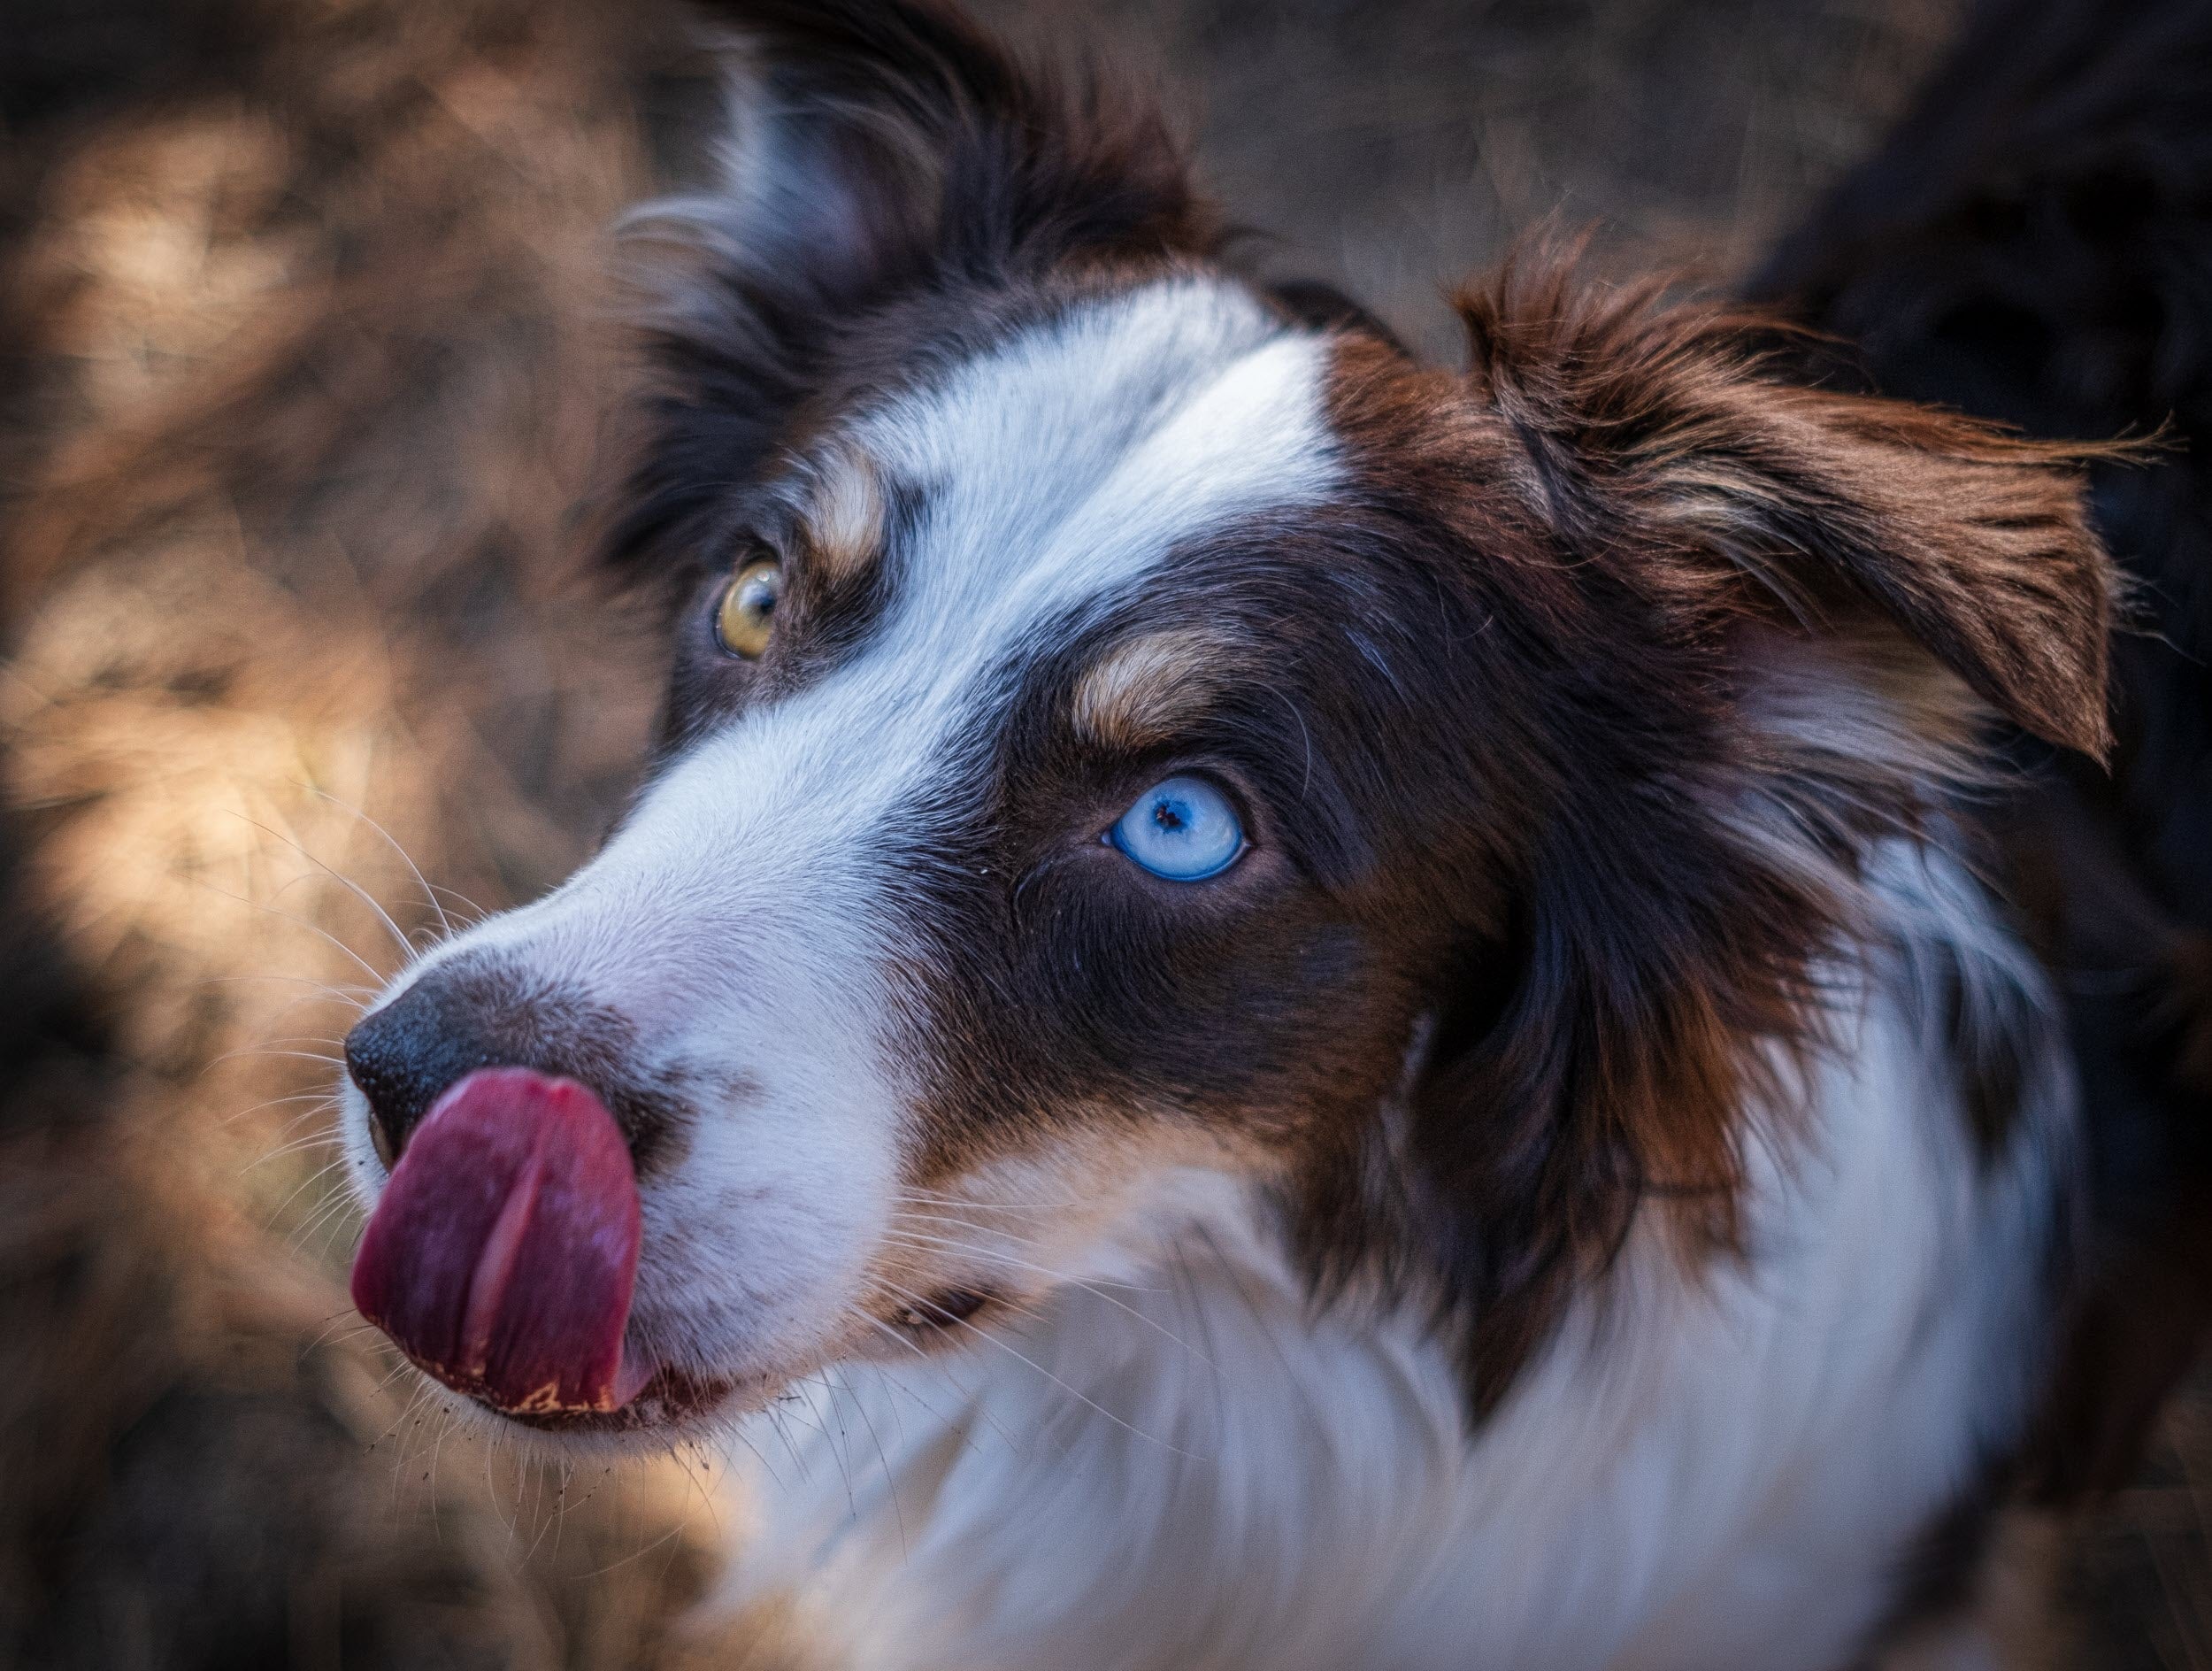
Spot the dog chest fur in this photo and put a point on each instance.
(1179, 1462)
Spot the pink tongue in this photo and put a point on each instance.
(503, 1254)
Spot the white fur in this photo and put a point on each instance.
(1696, 1478)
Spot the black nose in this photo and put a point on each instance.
(403, 1057)
(473, 1012)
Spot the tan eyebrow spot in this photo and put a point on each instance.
(1139, 691)
(843, 519)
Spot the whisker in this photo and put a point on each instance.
(669, 1536)
(306, 999)
(950, 1245)
(885, 1328)
(337, 1330)
(324, 1097)
(292, 1122)
(918, 1224)
(326, 1214)
(335, 1221)
(821, 1424)
(931, 1198)
(383, 916)
(259, 1050)
(421, 1391)
(982, 1333)
(955, 1245)
(308, 1182)
(351, 994)
(367, 968)
(883, 1457)
(318, 1140)
(445, 923)
(931, 1218)
(904, 1391)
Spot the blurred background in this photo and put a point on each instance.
(308, 321)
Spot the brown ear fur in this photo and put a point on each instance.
(1663, 429)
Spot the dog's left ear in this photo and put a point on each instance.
(1656, 435)
(1693, 535)
(886, 158)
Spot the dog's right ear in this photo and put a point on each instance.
(880, 152)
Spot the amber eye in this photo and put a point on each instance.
(745, 619)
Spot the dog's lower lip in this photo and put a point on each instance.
(669, 1396)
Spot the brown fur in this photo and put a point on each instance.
(1663, 428)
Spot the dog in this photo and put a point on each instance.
(1267, 1004)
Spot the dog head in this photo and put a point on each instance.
(1135, 733)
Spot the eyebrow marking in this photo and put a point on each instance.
(1134, 695)
(843, 516)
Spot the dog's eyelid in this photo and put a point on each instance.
(754, 543)
(1133, 774)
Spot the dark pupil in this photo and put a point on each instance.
(1168, 816)
(760, 597)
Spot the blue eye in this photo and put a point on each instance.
(1182, 828)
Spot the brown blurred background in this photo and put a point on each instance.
(307, 320)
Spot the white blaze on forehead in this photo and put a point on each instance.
(1071, 460)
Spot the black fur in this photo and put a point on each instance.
(2034, 245)
(939, 182)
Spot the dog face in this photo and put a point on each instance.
(1135, 735)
